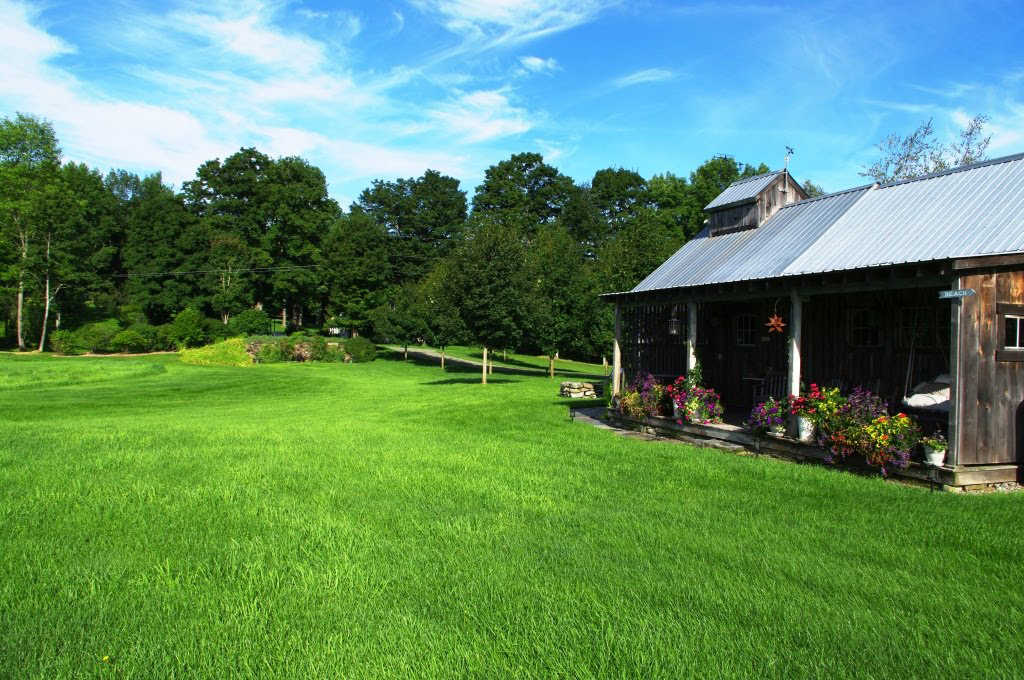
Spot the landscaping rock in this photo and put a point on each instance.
(577, 390)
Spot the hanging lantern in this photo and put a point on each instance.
(673, 323)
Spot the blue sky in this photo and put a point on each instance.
(390, 88)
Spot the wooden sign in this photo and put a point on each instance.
(955, 294)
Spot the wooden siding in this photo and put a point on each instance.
(990, 390)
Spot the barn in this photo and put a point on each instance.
(914, 289)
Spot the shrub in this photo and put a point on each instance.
(96, 337)
(230, 352)
(360, 349)
(216, 330)
(128, 341)
(63, 342)
(275, 350)
(157, 339)
(250, 322)
(188, 329)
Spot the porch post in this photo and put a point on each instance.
(617, 351)
(795, 332)
(691, 336)
(955, 403)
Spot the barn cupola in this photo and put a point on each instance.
(749, 202)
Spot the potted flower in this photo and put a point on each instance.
(935, 448)
(699, 405)
(769, 416)
(813, 409)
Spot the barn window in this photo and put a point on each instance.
(1014, 335)
(746, 333)
(863, 328)
(1010, 325)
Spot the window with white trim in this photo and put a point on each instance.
(1013, 335)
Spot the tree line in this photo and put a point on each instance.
(518, 265)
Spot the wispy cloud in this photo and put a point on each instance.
(650, 75)
(538, 65)
(503, 23)
(481, 116)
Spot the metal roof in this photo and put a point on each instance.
(743, 191)
(971, 211)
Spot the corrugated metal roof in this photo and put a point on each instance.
(972, 211)
(742, 191)
(759, 253)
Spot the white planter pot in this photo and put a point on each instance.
(933, 456)
(779, 430)
(804, 429)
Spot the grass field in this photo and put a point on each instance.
(388, 519)
(563, 367)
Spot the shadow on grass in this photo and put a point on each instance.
(470, 381)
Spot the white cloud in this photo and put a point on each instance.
(481, 116)
(538, 65)
(651, 75)
(496, 23)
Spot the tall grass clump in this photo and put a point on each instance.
(230, 352)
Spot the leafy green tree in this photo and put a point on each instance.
(422, 217)
(439, 297)
(919, 153)
(813, 190)
(402, 320)
(493, 284)
(299, 213)
(555, 292)
(355, 270)
(157, 226)
(29, 162)
(523, 193)
(189, 328)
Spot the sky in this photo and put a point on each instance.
(385, 89)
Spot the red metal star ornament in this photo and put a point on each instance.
(775, 324)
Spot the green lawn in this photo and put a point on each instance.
(388, 519)
(563, 367)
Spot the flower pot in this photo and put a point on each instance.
(934, 457)
(779, 430)
(804, 429)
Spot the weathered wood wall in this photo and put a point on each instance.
(991, 390)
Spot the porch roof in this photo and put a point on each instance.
(971, 211)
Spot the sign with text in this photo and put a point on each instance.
(955, 294)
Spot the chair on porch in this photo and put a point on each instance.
(835, 383)
(774, 385)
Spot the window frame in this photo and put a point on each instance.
(738, 330)
(874, 324)
(1006, 310)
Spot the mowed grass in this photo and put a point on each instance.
(391, 520)
(565, 367)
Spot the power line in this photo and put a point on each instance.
(218, 271)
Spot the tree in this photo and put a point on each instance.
(919, 153)
(439, 297)
(401, 320)
(813, 190)
(158, 231)
(492, 284)
(423, 218)
(29, 161)
(354, 269)
(554, 264)
(523, 193)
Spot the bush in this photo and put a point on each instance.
(63, 342)
(360, 349)
(188, 329)
(274, 352)
(230, 352)
(250, 322)
(157, 339)
(644, 397)
(96, 337)
(128, 341)
(216, 330)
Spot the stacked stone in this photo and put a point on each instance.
(577, 390)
